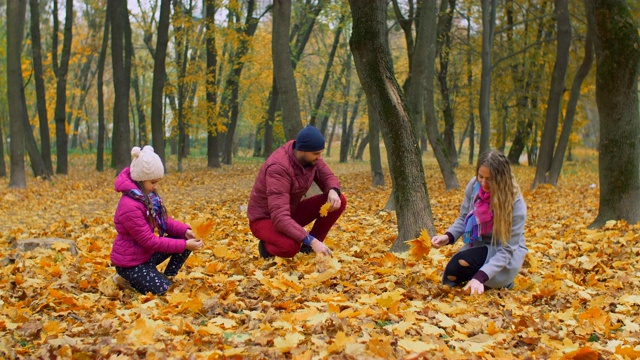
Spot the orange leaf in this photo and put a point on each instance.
(421, 245)
(627, 351)
(492, 329)
(324, 210)
(582, 354)
(203, 229)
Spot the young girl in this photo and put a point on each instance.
(491, 222)
(137, 250)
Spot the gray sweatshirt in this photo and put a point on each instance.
(503, 262)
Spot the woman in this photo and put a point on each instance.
(491, 223)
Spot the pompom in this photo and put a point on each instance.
(135, 152)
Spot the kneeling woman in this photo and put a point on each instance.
(491, 222)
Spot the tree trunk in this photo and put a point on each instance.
(370, 47)
(100, 90)
(554, 102)
(375, 158)
(488, 25)
(345, 141)
(472, 125)
(443, 48)
(157, 92)
(213, 156)
(361, 146)
(38, 72)
(142, 119)
(581, 74)
(37, 164)
(245, 33)
(617, 49)
(62, 163)
(327, 72)
(16, 11)
(3, 166)
(121, 139)
(283, 69)
(424, 59)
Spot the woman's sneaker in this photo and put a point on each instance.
(121, 282)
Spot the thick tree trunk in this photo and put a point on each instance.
(370, 47)
(425, 58)
(37, 164)
(3, 166)
(581, 74)
(121, 139)
(554, 102)
(488, 25)
(283, 69)
(16, 11)
(213, 156)
(38, 72)
(100, 89)
(443, 48)
(62, 163)
(157, 92)
(617, 49)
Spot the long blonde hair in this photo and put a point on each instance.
(504, 191)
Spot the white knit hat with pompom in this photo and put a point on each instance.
(145, 164)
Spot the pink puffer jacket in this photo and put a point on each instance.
(136, 241)
(281, 184)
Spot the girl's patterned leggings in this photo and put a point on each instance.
(474, 257)
(146, 277)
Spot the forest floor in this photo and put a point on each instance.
(577, 297)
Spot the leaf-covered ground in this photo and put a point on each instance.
(578, 295)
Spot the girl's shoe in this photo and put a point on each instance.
(121, 282)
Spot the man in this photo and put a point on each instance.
(277, 213)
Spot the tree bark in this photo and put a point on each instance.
(100, 89)
(16, 11)
(488, 25)
(617, 49)
(157, 92)
(370, 47)
(62, 163)
(120, 140)
(581, 74)
(213, 156)
(554, 102)
(283, 69)
(245, 33)
(345, 140)
(375, 158)
(327, 72)
(443, 48)
(38, 72)
(424, 62)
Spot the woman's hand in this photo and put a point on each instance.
(194, 244)
(439, 240)
(189, 234)
(320, 248)
(475, 287)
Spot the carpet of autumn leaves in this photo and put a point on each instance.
(578, 295)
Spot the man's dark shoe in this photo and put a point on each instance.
(306, 249)
(263, 251)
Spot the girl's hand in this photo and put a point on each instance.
(189, 234)
(194, 244)
(475, 287)
(439, 240)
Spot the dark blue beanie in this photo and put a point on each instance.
(309, 139)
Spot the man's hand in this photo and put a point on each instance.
(440, 240)
(334, 200)
(320, 248)
(475, 287)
